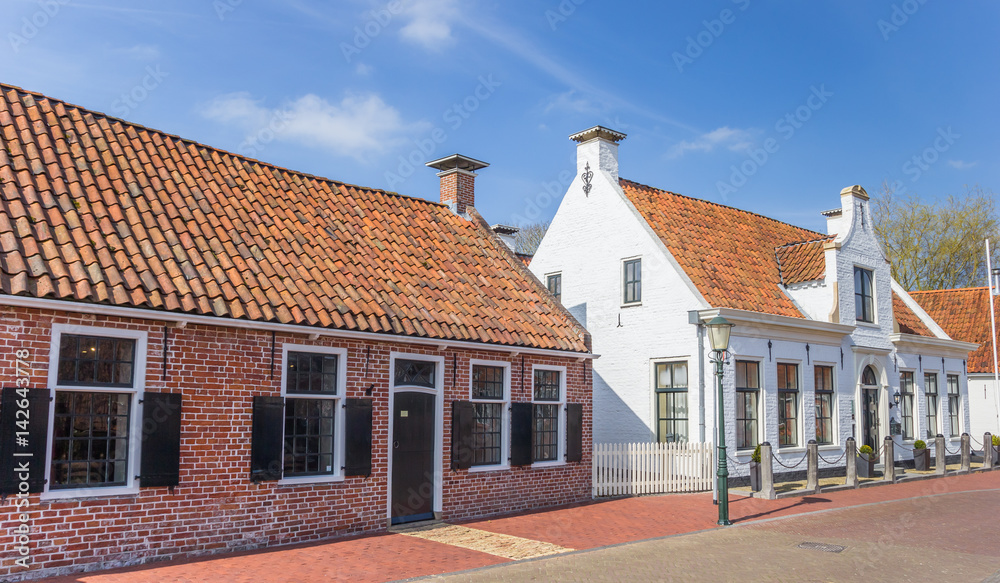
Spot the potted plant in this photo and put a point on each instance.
(866, 462)
(755, 469)
(996, 452)
(921, 456)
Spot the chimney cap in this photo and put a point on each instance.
(504, 229)
(598, 132)
(856, 190)
(457, 162)
(832, 213)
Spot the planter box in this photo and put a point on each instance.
(922, 460)
(755, 476)
(866, 466)
(996, 455)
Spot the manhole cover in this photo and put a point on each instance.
(826, 548)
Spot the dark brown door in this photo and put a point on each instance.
(870, 417)
(412, 457)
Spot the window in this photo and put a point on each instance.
(311, 405)
(97, 375)
(671, 401)
(488, 401)
(931, 395)
(747, 400)
(548, 394)
(554, 283)
(788, 405)
(824, 404)
(418, 373)
(954, 404)
(632, 286)
(864, 303)
(906, 404)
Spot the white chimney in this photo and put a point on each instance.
(598, 149)
(507, 234)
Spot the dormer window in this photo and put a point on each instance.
(864, 297)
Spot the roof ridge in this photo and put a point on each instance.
(138, 126)
(821, 240)
(639, 184)
(954, 289)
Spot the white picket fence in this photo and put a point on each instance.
(652, 468)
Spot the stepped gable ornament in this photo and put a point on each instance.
(587, 176)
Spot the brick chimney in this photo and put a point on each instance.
(458, 181)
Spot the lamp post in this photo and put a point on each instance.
(718, 335)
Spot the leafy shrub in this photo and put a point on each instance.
(755, 457)
(919, 444)
(996, 440)
(865, 449)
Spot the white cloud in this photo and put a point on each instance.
(430, 23)
(570, 101)
(357, 126)
(962, 164)
(363, 69)
(733, 139)
(140, 52)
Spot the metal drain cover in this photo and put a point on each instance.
(826, 548)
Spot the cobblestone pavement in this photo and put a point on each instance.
(941, 529)
(947, 537)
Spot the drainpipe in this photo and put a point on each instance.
(694, 319)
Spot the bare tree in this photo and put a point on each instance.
(530, 236)
(937, 245)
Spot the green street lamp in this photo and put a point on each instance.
(718, 336)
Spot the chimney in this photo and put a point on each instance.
(458, 181)
(507, 234)
(833, 220)
(598, 148)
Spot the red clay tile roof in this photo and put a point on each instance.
(95, 209)
(801, 262)
(728, 253)
(908, 321)
(964, 314)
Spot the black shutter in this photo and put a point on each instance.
(33, 433)
(463, 419)
(574, 432)
(358, 433)
(265, 443)
(161, 440)
(521, 434)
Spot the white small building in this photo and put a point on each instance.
(965, 315)
(824, 339)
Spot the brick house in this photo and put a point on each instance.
(824, 339)
(204, 352)
(965, 315)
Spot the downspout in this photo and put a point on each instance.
(993, 330)
(694, 319)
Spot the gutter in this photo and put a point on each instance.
(185, 319)
(693, 318)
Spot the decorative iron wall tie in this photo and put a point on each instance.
(587, 177)
(841, 358)
(807, 354)
(769, 350)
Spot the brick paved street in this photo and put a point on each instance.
(931, 530)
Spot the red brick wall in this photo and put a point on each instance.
(216, 508)
(459, 187)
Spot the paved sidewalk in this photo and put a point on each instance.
(391, 557)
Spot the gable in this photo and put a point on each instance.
(94, 209)
(964, 314)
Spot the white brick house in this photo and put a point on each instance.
(637, 265)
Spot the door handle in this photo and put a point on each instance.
(395, 445)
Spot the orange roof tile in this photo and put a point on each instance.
(908, 321)
(149, 220)
(964, 314)
(728, 253)
(802, 262)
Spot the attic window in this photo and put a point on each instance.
(864, 297)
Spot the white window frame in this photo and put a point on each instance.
(858, 321)
(621, 279)
(937, 413)
(799, 419)
(135, 411)
(505, 413)
(655, 388)
(760, 403)
(836, 404)
(561, 403)
(915, 407)
(554, 274)
(961, 418)
(339, 433)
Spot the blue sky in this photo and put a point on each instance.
(768, 106)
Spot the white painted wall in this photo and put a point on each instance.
(983, 405)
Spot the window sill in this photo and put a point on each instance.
(790, 449)
(631, 305)
(872, 325)
(549, 464)
(494, 468)
(74, 493)
(305, 480)
(830, 447)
